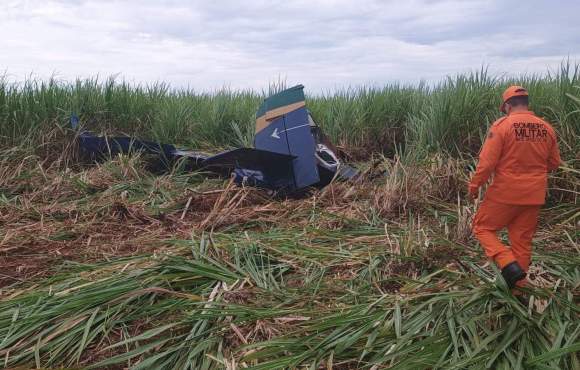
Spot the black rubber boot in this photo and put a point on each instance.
(512, 273)
(524, 300)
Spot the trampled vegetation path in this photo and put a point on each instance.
(112, 266)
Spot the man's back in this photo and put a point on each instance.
(520, 149)
(528, 142)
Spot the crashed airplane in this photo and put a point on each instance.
(290, 154)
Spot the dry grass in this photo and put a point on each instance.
(105, 211)
(400, 233)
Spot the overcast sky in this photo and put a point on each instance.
(247, 44)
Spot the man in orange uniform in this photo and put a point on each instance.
(520, 150)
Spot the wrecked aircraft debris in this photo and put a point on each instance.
(290, 152)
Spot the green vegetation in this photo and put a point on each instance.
(111, 266)
(450, 116)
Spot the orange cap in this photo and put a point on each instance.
(509, 93)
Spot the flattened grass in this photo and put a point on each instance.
(360, 275)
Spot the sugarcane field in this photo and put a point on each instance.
(279, 223)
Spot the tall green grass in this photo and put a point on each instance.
(450, 116)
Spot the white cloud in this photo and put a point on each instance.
(323, 44)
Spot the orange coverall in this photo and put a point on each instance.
(520, 150)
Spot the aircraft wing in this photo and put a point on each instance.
(100, 145)
(249, 158)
